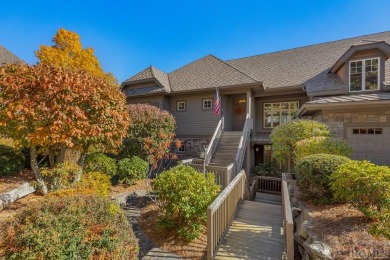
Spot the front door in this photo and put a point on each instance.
(239, 113)
(259, 154)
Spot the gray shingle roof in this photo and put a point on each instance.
(207, 72)
(305, 66)
(351, 98)
(297, 66)
(7, 57)
(151, 73)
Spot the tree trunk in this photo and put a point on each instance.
(51, 157)
(36, 170)
(80, 162)
(61, 155)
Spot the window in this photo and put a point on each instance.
(367, 131)
(364, 75)
(181, 149)
(181, 105)
(279, 113)
(207, 104)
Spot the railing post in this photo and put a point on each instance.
(210, 238)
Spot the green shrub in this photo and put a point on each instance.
(98, 183)
(11, 161)
(313, 173)
(364, 185)
(284, 137)
(80, 227)
(61, 176)
(131, 170)
(321, 144)
(266, 170)
(99, 162)
(184, 195)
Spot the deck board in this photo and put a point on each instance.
(256, 231)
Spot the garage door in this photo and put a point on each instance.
(370, 143)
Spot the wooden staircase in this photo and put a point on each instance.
(226, 150)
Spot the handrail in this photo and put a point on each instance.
(243, 143)
(221, 212)
(288, 224)
(214, 141)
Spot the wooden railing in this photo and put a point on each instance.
(223, 175)
(248, 126)
(288, 224)
(214, 141)
(269, 184)
(221, 212)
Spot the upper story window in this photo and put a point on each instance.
(279, 113)
(364, 75)
(181, 106)
(207, 103)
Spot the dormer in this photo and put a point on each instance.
(362, 67)
(149, 81)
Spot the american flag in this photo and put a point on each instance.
(217, 109)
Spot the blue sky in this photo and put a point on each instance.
(128, 36)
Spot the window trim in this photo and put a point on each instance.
(207, 99)
(184, 148)
(364, 74)
(276, 102)
(177, 105)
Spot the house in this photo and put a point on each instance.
(344, 83)
(7, 57)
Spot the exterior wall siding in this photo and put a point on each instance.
(153, 100)
(194, 121)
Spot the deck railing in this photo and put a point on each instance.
(239, 160)
(214, 141)
(269, 184)
(223, 175)
(221, 212)
(288, 224)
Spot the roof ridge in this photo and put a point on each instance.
(189, 64)
(233, 67)
(310, 45)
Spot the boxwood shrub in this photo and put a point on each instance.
(313, 174)
(99, 162)
(131, 170)
(364, 185)
(321, 144)
(184, 196)
(78, 227)
(11, 161)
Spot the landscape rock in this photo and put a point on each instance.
(317, 250)
(296, 212)
(1, 205)
(15, 194)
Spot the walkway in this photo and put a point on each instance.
(256, 232)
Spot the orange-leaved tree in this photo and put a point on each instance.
(68, 52)
(151, 135)
(55, 109)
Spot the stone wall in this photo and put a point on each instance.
(193, 147)
(337, 120)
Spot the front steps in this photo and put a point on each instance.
(226, 150)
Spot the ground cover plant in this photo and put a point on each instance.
(80, 227)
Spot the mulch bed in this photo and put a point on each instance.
(167, 240)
